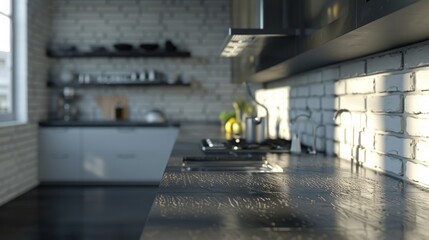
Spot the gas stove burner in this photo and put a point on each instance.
(241, 146)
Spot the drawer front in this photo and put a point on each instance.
(59, 138)
(133, 166)
(60, 166)
(128, 138)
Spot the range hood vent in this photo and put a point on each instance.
(253, 20)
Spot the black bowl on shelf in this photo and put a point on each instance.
(150, 47)
(123, 47)
(170, 46)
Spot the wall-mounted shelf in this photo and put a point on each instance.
(124, 54)
(131, 84)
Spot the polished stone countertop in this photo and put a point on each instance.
(316, 197)
(105, 123)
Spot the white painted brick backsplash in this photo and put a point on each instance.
(299, 103)
(340, 87)
(422, 80)
(388, 123)
(417, 172)
(422, 150)
(384, 63)
(360, 85)
(316, 117)
(330, 132)
(388, 126)
(387, 144)
(385, 104)
(353, 103)
(418, 126)
(417, 104)
(314, 77)
(329, 88)
(349, 135)
(314, 103)
(304, 91)
(317, 90)
(330, 103)
(416, 57)
(344, 151)
(367, 139)
(353, 69)
(330, 74)
(395, 83)
(340, 134)
(384, 163)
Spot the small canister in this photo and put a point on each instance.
(255, 130)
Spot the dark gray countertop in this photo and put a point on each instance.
(315, 197)
(101, 123)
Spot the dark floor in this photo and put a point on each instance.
(77, 212)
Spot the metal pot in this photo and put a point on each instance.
(155, 116)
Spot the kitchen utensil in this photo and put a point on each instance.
(255, 130)
(155, 116)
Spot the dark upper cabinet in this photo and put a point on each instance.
(333, 31)
(371, 10)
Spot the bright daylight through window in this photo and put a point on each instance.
(6, 62)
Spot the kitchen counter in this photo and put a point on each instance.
(315, 197)
(106, 123)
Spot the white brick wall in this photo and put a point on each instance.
(384, 63)
(388, 129)
(395, 83)
(360, 85)
(18, 144)
(422, 80)
(385, 104)
(88, 22)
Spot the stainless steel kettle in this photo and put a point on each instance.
(155, 116)
(255, 130)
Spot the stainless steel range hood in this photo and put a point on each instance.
(253, 20)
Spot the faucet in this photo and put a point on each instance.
(339, 112)
(313, 148)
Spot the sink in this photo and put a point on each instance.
(229, 163)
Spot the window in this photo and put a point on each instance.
(13, 61)
(6, 59)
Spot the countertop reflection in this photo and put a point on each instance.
(315, 197)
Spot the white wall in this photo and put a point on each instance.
(197, 26)
(388, 129)
(18, 144)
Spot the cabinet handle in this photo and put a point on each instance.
(126, 156)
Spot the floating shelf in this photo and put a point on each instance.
(131, 84)
(131, 54)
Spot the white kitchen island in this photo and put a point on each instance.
(105, 152)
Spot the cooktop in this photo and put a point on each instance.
(209, 145)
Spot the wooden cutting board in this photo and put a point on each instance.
(107, 105)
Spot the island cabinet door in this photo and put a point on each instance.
(60, 156)
(123, 166)
(126, 154)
